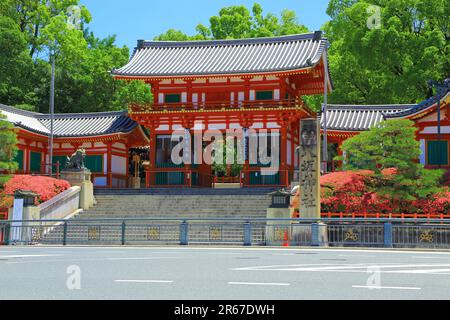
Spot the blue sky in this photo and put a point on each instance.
(131, 20)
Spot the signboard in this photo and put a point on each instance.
(309, 168)
(16, 227)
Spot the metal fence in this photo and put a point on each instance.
(399, 233)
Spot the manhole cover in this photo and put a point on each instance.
(333, 259)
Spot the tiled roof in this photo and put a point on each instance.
(70, 125)
(445, 91)
(217, 57)
(359, 117)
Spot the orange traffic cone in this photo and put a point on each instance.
(286, 239)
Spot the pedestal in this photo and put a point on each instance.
(81, 178)
(136, 182)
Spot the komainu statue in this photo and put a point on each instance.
(76, 160)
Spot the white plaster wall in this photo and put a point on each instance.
(163, 127)
(422, 157)
(105, 163)
(257, 125)
(289, 152)
(273, 125)
(434, 130)
(66, 146)
(276, 94)
(235, 126)
(119, 145)
(119, 165)
(100, 182)
(252, 95)
(217, 126)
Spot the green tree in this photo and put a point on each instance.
(31, 30)
(16, 66)
(8, 150)
(392, 144)
(390, 62)
(237, 22)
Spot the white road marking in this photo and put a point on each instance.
(356, 256)
(416, 257)
(226, 253)
(144, 281)
(254, 249)
(140, 258)
(431, 271)
(283, 267)
(30, 256)
(258, 284)
(390, 288)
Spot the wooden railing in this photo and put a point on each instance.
(160, 177)
(226, 179)
(356, 215)
(215, 105)
(282, 178)
(113, 180)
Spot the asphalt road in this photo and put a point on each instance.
(194, 273)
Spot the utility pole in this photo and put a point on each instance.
(325, 109)
(52, 112)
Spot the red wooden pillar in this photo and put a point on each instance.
(27, 157)
(292, 148)
(150, 175)
(127, 164)
(283, 155)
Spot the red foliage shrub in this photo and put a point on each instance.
(45, 187)
(347, 192)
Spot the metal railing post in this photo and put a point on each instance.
(123, 232)
(388, 235)
(184, 236)
(247, 234)
(7, 233)
(65, 233)
(315, 242)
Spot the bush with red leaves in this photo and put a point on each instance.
(348, 192)
(45, 187)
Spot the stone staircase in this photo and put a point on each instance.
(162, 203)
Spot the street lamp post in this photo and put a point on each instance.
(52, 112)
(324, 111)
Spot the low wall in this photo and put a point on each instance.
(62, 205)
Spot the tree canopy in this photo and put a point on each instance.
(382, 51)
(238, 22)
(385, 51)
(8, 151)
(32, 31)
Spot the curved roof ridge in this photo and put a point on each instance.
(212, 57)
(21, 112)
(370, 106)
(83, 115)
(275, 39)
